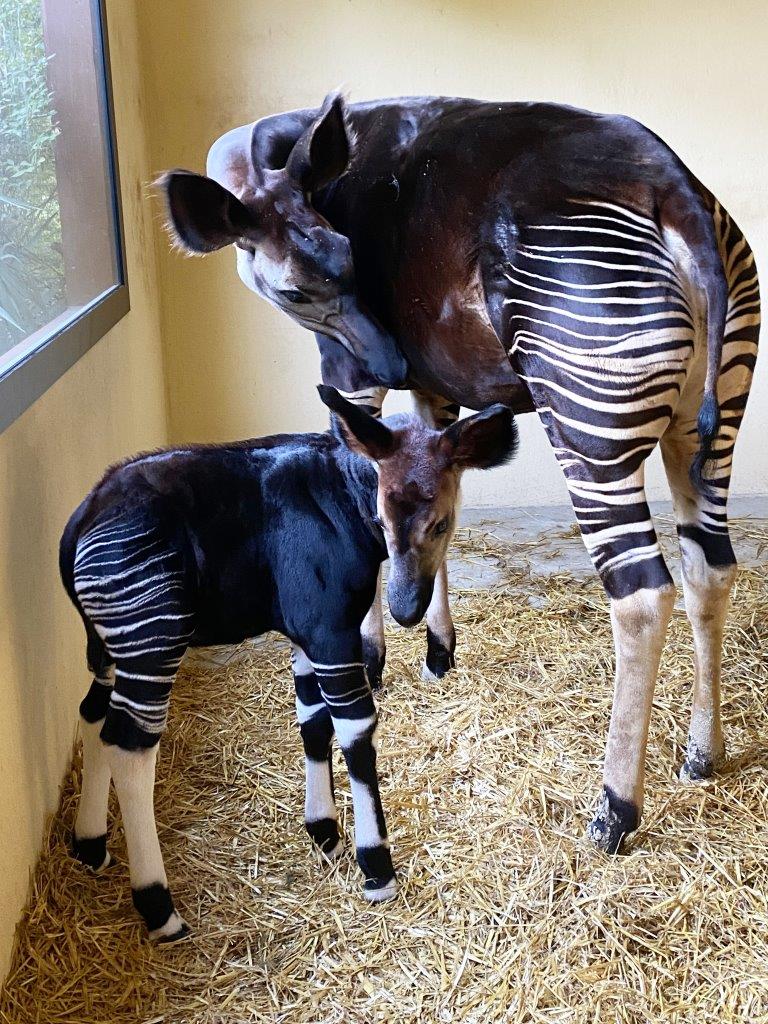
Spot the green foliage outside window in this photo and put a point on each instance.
(31, 261)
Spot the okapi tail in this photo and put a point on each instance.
(715, 289)
(689, 214)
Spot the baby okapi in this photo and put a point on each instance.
(214, 544)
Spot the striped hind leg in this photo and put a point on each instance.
(439, 412)
(708, 570)
(708, 560)
(618, 531)
(89, 839)
(604, 467)
(132, 589)
(135, 719)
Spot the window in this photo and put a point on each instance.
(62, 276)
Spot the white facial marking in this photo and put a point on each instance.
(366, 826)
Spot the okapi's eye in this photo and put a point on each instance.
(441, 527)
(294, 295)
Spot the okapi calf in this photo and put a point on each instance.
(214, 544)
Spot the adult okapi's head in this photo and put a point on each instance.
(258, 197)
(419, 470)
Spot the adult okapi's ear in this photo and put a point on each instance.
(202, 215)
(274, 137)
(323, 151)
(487, 439)
(362, 433)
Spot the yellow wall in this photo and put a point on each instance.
(695, 72)
(110, 403)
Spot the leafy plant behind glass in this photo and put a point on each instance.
(32, 287)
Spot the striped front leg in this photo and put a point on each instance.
(320, 814)
(348, 696)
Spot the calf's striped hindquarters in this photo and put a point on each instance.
(130, 583)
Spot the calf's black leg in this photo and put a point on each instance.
(320, 814)
(134, 722)
(347, 694)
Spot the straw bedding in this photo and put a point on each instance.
(505, 913)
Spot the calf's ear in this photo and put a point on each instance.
(361, 432)
(202, 215)
(323, 151)
(487, 439)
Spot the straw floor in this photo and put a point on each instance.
(505, 913)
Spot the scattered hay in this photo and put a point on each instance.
(506, 913)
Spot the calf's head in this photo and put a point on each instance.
(286, 250)
(419, 471)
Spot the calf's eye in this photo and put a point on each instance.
(441, 527)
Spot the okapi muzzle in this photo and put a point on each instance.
(409, 590)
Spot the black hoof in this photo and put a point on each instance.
(614, 819)
(439, 658)
(324, 833)
(700, 765)
(376, 864)
(91, 852)
(374, 665)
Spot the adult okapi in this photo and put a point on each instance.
(547, 258)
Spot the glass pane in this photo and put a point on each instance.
(57, 231)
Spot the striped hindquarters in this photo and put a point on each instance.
(131, 584)
(601, 327)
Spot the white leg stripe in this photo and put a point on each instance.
(306, 711)
(349, 729)
(336, 669)
(134, 775)
(319, 801)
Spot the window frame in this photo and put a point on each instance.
(59, 348)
